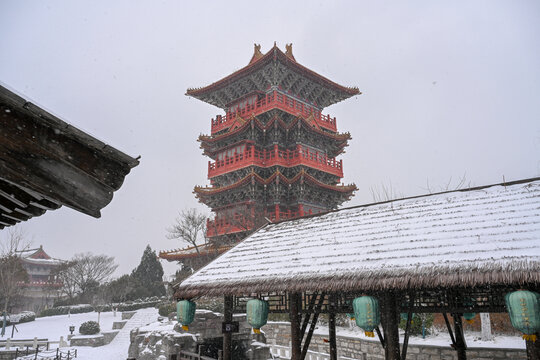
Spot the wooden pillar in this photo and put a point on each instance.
(460, 345)
(332, 327)
(295, 307)
(277, 211)
(390, 322)
(533, 350)
(227, 337)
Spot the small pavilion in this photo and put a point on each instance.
(452, 253)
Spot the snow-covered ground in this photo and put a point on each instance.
(52, 327)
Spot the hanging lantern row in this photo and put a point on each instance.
(257, 314)
(185, 313)
(366, 312)
(256, 309)
(524, 310)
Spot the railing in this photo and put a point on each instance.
(300, 156)
(275, 100)
(38, 349)
(238, 222)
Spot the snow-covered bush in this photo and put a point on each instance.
(89, 328)
(25, 316)
(164, 309)
(63, 310)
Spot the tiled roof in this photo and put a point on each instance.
(486, 235)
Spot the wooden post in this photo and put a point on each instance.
(227, 337)
(332, 327)
(533, 350)
(460, 346)
(294, 315)
(389, 318)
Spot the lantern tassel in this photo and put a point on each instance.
(469, 321)
(370, 334)
(529, 337)
(256, 331)
(185, 327)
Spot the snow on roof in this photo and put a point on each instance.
(486, 235)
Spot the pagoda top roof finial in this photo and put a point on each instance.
(288, 51)
(257, 54)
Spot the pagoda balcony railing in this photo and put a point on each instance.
(240, 223)
(275, 100)
(299, 156)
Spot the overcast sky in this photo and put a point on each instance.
(450, 89)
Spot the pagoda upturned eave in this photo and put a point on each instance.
(209, 191)
(275, 69)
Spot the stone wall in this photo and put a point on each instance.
(205, 334)
(278, 333)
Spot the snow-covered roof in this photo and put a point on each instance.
(38, 256)
(474, 237)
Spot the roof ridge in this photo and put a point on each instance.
(510, 183)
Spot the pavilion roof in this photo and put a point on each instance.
(263, 72)
(465, 238)
(46, 163)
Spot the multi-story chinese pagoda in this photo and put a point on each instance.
(273, 153)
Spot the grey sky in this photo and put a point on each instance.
(449, 88)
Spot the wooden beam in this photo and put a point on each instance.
(390, 315)
(295, 317)
(533, 349)
(227, 337)
(460, 345)
(316, 313)
(332, 326)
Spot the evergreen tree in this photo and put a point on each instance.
(148, 276)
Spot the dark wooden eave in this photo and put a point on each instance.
(46, 163)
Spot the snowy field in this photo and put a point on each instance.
(52, 327)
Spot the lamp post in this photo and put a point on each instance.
(72, 329)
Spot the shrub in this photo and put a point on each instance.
(164, 309)
(416, 323)
(89, 328)
(64, 310)
(25, 316)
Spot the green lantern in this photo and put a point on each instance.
(524, 310)
(185, 313)
(257, 314)
(351, 316)
(469, 317)
(366, 312)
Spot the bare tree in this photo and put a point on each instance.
(12, 272)
(64, 275)
(190, 227)
(385, 193)
(84, 273)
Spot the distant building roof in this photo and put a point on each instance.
(38, 256)
(46, 163)
(486, 235)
